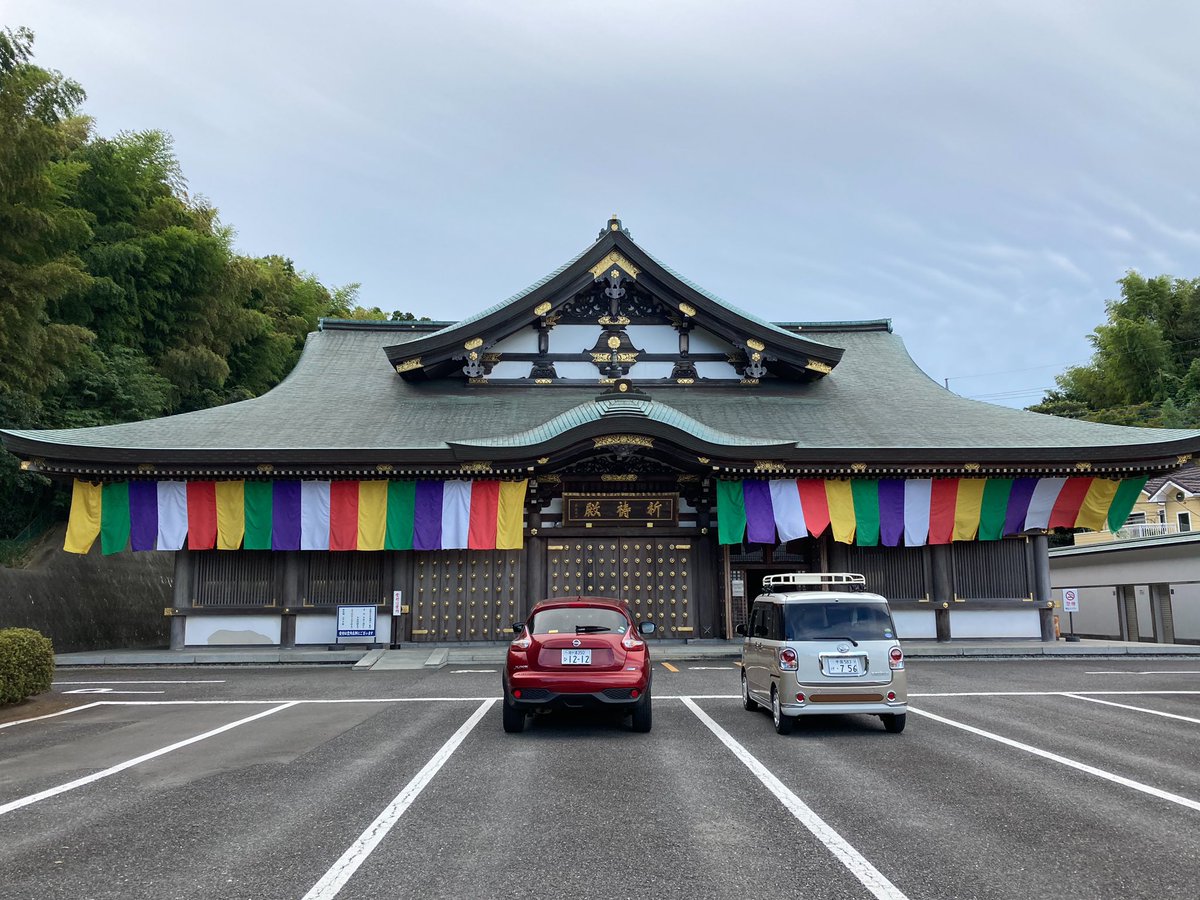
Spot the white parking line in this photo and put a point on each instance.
(1151, 672)
(107, 691)
(709, 668)
(61, 712)
(129, 763)
(221, 681)
(858, 865)
(1153, 712)
(471, 671)
(339, 873)
(1074, 764)
(1039, 694)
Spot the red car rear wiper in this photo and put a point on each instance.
(590, 629)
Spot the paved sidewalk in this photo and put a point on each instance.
(435, 657)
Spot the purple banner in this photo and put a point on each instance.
(891, 511)
(143, 514)
(285, 515)
(427, 516)
(1018, 505)
(760, 514)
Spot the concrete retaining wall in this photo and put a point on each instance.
(91, 602)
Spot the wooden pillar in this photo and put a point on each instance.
(941, 588)
(290, 599)
(704, 564)
(1040, 548)
(181, 596)
(533, 563)
(402, 580)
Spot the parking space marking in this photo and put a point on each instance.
(1072, 763)
(858, 865)
(669, 667)
(61, 712)
(130, 763)
(221, 681)
(340, 872)
(107, 690)
(709, 668)
(1153, 712)
(472, 671)
(1151, 672)
(1039, 694)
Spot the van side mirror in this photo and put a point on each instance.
(646, 627)
(740, 628)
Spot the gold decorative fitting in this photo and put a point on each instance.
(815, 366)
(755, 356)
(766, 465)
(385, 467)
(627, 357)
(601, 357)
(473, 343)
(622, 387)
(477, 381)
(1183, 458)
(473, 355)
(1083, 467)
(970, 467)
(858, 467)
(476, 467)
(607, 380)
(550, 479)
(687, 309)
(614, 342)
(687, 477)
(491, 357)
(622, 476)
(614, 259)
(542, 308)
(619, 440)
(756, 345)
(145, 467)
(543, 381)
(685, 380)
(265, 468)
(409, 364)
(703, 460)
(609, 320)
(749, 381)
(542, 460)
(24, 465)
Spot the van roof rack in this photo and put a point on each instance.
(804, 579)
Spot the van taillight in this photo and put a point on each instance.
(896, 658)
(787, 659)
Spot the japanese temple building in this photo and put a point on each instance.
(615, 430)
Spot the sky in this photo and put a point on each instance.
(981, 174)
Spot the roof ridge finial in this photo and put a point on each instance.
(614, 224)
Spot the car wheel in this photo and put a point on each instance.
(748, 702)
(642, 714)
(894, 722)
(783, 724)
(514, 719)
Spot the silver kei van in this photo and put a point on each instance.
(818, 643)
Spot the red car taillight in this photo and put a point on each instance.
(523, 642)
(631, 641)
(788, 660)
(896, 658)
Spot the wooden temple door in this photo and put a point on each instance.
(465, 595)
(652, 575)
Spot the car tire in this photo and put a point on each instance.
(643, 714)
(514, 719)
(894, 722)
(748, 702)
(783, 724)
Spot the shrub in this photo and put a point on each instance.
(26, 664)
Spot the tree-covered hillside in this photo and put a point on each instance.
(121, 294)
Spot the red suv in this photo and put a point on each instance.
(578, 653)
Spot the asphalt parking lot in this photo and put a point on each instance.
(1055, 778)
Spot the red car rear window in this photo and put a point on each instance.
(571, 619)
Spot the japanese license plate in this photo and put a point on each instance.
(577, 657)
(843, 665)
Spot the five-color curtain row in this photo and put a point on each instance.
(917, 511)
(297, 515)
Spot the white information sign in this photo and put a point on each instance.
(354, 623)
(1070, 599)
(397, 603)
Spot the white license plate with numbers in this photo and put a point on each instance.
(844, 665)
(577, 657)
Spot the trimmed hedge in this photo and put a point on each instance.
(26, 664)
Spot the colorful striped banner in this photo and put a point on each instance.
(297, 515)
(867, 512)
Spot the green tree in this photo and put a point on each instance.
(1145, 369)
